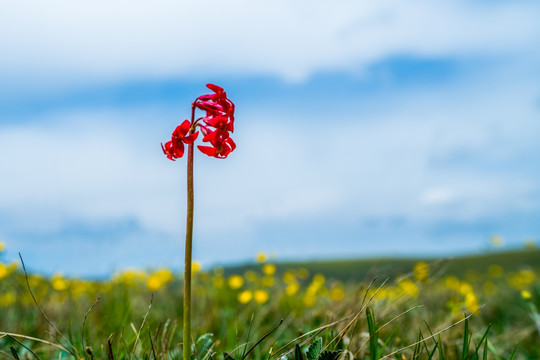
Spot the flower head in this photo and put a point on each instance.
(219, 122)
(216, 127)
(174, 148)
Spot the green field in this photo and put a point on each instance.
(138, 314)
(367, 269)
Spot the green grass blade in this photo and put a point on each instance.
(482, 340)
(466, 340)
(432, 353)
(373, 336)
(514, 352)
(418, 346)
(441, 350)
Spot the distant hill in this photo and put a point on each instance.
(367, 269)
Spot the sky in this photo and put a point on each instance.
(364, 128)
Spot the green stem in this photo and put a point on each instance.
(187, 261)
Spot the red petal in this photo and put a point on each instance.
(205, 130)
(217, 121)
(185, 126)
(224, 153)
(214, 88)
(181, 130)
(231, 143)
(209, 106)
(210, 137)
(210, 151)
(178, 151)
(167, 150)
(191, 138)
(205, 97)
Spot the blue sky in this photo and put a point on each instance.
(363, 128)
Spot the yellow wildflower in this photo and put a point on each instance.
(495, 271)
(268, 281)
(2, 246)
(3, 271)
(309, 300)
(165, 275)
(245, 296)
(261, 296)
(79, 288)
(7, 299)
(153, 283)
(408, 287)
(59, 283)
(383, 293)
(292, 289)
(526, 295)
(421, 271)
(269, 269)
(159, 279)
(527, 276)
(303, 273)
(288, 277)
(319, 279)
(337, 293)
(452, 282)
(312, 288)
(235, 281)
(261, 257)
(130, 277)
(218, 281)
(522, 279)
(465, 288)
(471, 302)
(195, 267)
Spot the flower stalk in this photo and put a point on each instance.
(218, 123)
(188, 252)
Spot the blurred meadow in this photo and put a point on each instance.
(386, 174)
(137, 313)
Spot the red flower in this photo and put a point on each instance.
(222, 125)
(220, 148)
(219, 93)
(217, 103)
(218, 122)
(174, 148)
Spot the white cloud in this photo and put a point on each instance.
(87, 170)
(102, 40)
(380, 164)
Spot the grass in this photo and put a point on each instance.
(416, 309)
